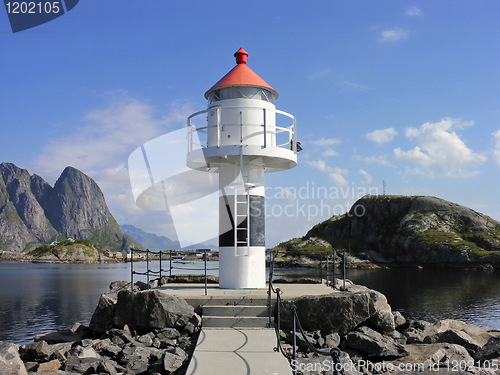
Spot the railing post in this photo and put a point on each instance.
(326, 270)
(294, 347)
(265, 128)
(206, 292)
(131, 269)
(334, 266)
(170, 270)
(344, 266)
(159, 282)
(147, 265)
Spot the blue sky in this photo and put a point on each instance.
(405, 92)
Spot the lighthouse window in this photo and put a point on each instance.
(241, 92)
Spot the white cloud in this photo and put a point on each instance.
(413, 11)
(496, 150)
(393, 35)
(330, 152)
(357, 86)
(326, 142)
(382, 135)
(336, 175)
(440, 151)
(100, 148)
(366, 175)
(319, 74)
(376, 159)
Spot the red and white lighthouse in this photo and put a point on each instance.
(242, 139)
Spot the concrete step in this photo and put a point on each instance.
(235, 310)
(234, 322)
(227, 301)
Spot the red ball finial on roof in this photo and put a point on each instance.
(241, 56)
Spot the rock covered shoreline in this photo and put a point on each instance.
(355, 331)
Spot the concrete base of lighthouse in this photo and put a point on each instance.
(242, 267)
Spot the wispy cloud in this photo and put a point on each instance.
(381, 136)
(319, 74)
(100, 148)
(440, 151)
(330, 152)
(366, 175)
(336, 175)
(356, 86)
(393, 35)
(326, 142)
(413, 11)
(496, 150)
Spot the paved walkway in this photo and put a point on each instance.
(237, 352)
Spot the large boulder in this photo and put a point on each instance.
(341, 311)
(103, 316)
(371, 342)
(151, 309)
(10, 361)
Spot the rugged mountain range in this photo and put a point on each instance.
(406, 229)
(32, 212)
(150, 241)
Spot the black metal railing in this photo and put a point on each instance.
(159, 255)
(279, 306)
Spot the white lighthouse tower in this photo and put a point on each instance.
(242, 138)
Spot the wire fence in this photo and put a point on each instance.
(160, 272)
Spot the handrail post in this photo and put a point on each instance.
(265, 128)
(206, 292)
(131, 269)
(159, 283)
(334, 265)
(170, 271)
(294, 347)
(344, 271)
(147, 265)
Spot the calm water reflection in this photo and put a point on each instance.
(37, 298)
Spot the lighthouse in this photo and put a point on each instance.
(241, 136)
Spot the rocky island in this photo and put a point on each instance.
(404, 230)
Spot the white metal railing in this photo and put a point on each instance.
(202, 140)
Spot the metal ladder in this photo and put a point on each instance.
(241, 223)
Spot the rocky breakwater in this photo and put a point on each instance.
(356, 332)
(131, 332)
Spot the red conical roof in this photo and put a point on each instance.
(241, 75)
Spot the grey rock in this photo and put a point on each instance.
(490, 350)
(142, 285)
(83, 352)
(52, 365)
(10, 361)
(399, 319)
(66, 335)
(38, 351)
(85, 365)
(146, 339)
(173, 359)
(454, 336)
(137, 366)
(332, 340)
(102, 318)
(151, 309)
(371, 342)
(340, 311)
(112, 350)
(190, 328)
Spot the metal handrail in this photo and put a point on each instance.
(291, 129)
